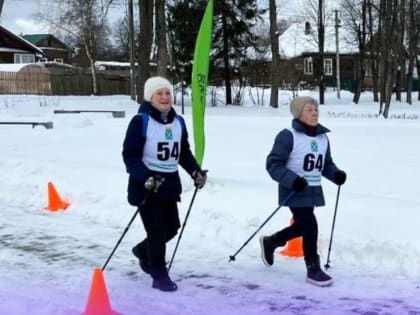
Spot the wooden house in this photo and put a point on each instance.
(299, 59)
(53, 48)
(299, 52)
(15, 49)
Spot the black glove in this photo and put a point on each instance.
(340, 177)
(200, 178)
(153, 182)
(299, 184)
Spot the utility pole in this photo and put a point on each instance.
(337, 57)
(321, 43)
(131, 49)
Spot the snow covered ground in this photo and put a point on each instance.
(47, 259)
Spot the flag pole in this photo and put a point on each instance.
(200, 79)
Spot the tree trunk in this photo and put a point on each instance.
(92, 70)
(373, 52)
(386, 37)
(390, 50)
(163, 59)
(412, 42)
(88, 41)
(145, 40)
(401, 55)
(418, 77)
(131, 45)
(398, 85)
(226, 60)
(1, 6)
(275, 62)
(358, 79)
(361, 38)
(388, 90)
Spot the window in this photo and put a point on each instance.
(60, 60)
(308, 66)
(328, 66)
(24, 58)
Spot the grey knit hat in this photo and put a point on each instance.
(297, 104)
(155, 83)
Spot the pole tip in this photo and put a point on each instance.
(231, 258)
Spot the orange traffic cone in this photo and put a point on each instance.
(54, 201)
(293, 247)
(98, 301)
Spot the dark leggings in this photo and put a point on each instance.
(304, 225)
(161, 222)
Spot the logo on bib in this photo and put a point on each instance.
(168, 133)
(314, 146)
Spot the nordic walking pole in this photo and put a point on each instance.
(183, 227)
(119, 241)
(327, 265)
(151, 184)
(232, 258)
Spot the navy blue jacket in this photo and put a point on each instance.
(138, 172)
(276, 167)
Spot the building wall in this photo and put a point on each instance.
(6, 57)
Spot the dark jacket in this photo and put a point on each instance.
(138, 172)
(276, 167)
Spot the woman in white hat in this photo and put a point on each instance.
(299, 158)
(155, 144)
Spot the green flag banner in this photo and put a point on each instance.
(200, 78)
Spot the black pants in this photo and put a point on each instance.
(304, 225)
(161, 222)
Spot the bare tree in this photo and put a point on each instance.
(355, 13)
(275, 60)
(226, 68)
(373, 48)
(390, 41)
(413, 36)
(83, 20)
(145, 45)
(314, 11)
(401, 55)
(161, 42)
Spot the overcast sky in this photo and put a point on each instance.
(18, 15)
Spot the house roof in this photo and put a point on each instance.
(294, 42)
(37, 39)
(24, 42)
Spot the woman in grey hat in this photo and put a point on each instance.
(299, 157)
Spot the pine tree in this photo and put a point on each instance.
(232, 35)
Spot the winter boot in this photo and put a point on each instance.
(315, 275)
(140, 252)
(161, 281)
(267, 250)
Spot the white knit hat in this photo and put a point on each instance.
(155, 83)
(297, 104)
